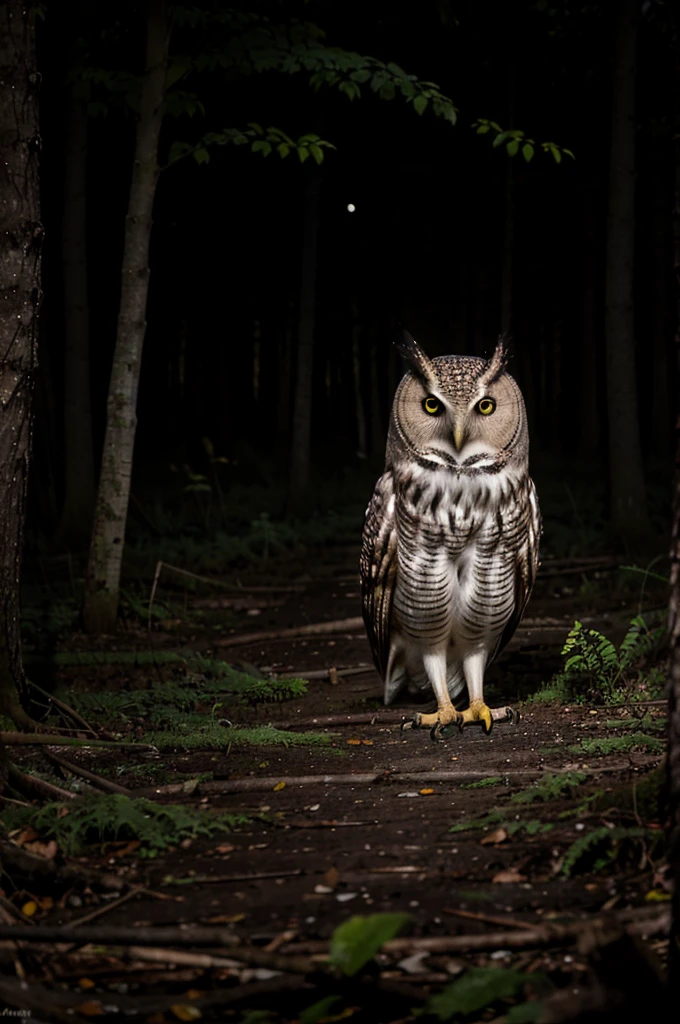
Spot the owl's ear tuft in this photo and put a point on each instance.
(496, 365)
(416, 358)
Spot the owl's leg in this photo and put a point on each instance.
(446, 714)
(478, 711)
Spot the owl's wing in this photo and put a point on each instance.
(378, 569)
(526, 567)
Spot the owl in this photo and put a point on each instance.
(450, 543)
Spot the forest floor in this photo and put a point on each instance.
(497, 838)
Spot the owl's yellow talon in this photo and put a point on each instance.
(479, 712)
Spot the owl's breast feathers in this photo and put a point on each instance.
(446, 559)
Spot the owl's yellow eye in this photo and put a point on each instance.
(486, 406)
(433, 406)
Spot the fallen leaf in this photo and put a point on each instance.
(331, 877)
(193, 993)
(46, 850)
(46, 903)
(224, 849)
(354, 743)
(62, 812)
(130, 847)
(508, 877)
(156, 1018)
(92, 1008)
(414, 964)
(184, 1012)
(29, 908)
(322, 889)
(86, 982)
(426, 792)
(27, 836)
(657, 896)
(279, 786)
(367, 743)
(344, 897)
(498, 836)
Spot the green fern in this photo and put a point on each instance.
(210, 735)
(602, 844)
(107, 817)
(550, 787)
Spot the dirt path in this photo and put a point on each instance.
(313, 855)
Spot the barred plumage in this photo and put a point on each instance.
(450, 543)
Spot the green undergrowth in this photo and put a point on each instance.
(219, 686)
(499, 819)
(492, 780)
(546, 789)
(618, 744)
(595, 669)
(197, 733)
(105, 818)
(608, 845)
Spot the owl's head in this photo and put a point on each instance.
(460, 412)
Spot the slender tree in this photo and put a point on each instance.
(301, 433)
(102, 580)
(673, 770)
(79, 481)
(627, 483)
(21, 236)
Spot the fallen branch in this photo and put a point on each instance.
(33, 787)
(78, 719)
(104, 784)
(422, 779)
(311, 629)
(45, 739)
(530, 938)
(324, 673)
(504, 922)
(361, 718)
(220, 879)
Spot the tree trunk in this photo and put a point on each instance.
(509, 221)
(661, 419)
(20, 251)
(359, 410)
(298, 479)
(589, 418)
(628, 498)
(79, 486)
(674, 607)
(102, 581)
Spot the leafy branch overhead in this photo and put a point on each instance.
(259, 140)
(515, 141)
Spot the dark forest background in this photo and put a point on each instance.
(450, 237)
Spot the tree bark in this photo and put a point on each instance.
(21, 235)
(102, 581)
(79, 484)
(673, 761)
(628, 497)
(298, 479)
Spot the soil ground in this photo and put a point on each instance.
(313, 855)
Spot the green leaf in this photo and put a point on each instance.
(201, 155)
(569, 153)
(512, 147)
(356, 941)
(262, 146)
(499, 140)
(319, 1010)
(360, 76)
(482, 129)
(476, 989)
(419, 104)
(283, 150)
(556, 154)
(527, 151)
(316, 152)
(387, 91)
(303, 153)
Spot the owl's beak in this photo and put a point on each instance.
(459, 436)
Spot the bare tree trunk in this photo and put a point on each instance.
(102, 582)
(360, 412)
(627, 484)
(302, 420)
(674, 607)
(589, 419)
(661, 419)
(21, 236)
(79, 486)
